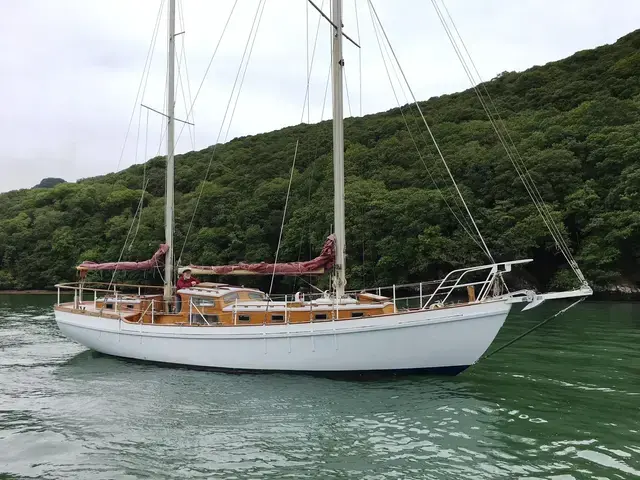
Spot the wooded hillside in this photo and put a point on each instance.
(576, 123)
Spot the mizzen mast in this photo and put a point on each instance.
(337, 64)
(169, 189)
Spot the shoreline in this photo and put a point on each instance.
(28, 292)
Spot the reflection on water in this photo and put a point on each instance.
(562, 404)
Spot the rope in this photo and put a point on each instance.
(511, 342)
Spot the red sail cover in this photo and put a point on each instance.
(318, 265)
(155, 261)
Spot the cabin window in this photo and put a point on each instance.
(257, 296)
(198, 319)
(231, 297)
(108, 305)
(277, 318)
(244, 318)
(203, 301)
(128, 305)
(320, 316)
(357, 314)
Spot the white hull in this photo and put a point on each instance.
(447, 339)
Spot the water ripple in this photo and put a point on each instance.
(560, 404)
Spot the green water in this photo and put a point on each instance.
(563, 403)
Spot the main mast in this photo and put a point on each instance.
(337, 64)
(168, 209)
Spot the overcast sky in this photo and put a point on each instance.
(71, 68)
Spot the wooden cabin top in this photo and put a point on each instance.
(217, 290)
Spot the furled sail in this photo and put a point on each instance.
(316, 266)
(156, 261)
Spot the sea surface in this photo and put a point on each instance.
(562, 403)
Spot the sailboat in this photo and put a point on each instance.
(446, 325)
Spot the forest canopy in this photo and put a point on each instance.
(576, 124)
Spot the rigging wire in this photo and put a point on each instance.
(317, 138)
(514, 157)
(222, 124)
(206, 72)
(467, 227)
(246, 66)
(362, 211)
(143, 79)
(284, 215)
(186, 71)
(306, 102)
(435, 143)
(535, 327)
(307, 94)
(306, 50)
(346, 88)
(144, 181)
(407, 102)
(124, 246)
(142, 87)
(454, 198)
(182, 60)
(355, 6)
